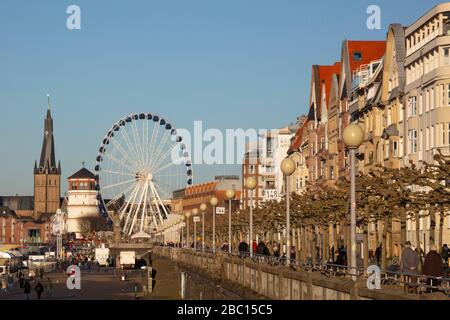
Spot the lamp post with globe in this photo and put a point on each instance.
(251, 184)
(214, 201)
(203, 208)
(353, 137)
(230, 194)
(194, 214)
(187, 215)
(288, 168)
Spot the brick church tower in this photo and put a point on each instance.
(47, 176)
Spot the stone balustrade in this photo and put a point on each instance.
(278, 282)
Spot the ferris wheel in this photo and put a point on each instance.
(140, 162)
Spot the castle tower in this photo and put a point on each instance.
(47, 176)
(83, 215)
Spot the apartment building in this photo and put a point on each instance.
(262, 160)
(427, 87)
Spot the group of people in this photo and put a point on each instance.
(433, 267)
(260, 248)
(26, 283)
(83, 261)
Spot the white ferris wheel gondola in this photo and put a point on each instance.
(136, 171)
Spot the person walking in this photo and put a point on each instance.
(432, 267)
(39, 288)
(276, 250)
(49, 287)
(445, 252)
(341, 257)
(243, 248)
(10, 281)
(4, 286)
(378, 253)
(27, 289)
(409, 266)
(21, 279)
(41, 273)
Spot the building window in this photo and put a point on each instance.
(421, 140)
(448, 94)
(412, 112)
(448, 133)
(420, 104)
(432, 99)
(395, 149)
(370, 157)
(432, 138)
(357, 56)
(412, 141)
(386, 150)
(443, 135)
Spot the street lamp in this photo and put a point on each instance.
(203, 208)
(230, 194)
(187, 215)
(353, 137)
(288, 168)
(251, 184)
(182, 218)
(194, 214)
(214, 201)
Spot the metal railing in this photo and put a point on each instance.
(419, 283)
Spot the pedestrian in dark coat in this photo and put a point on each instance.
(432, 266)
(39, 288)
(445, 253)
(21, 280)
(243, 248)
(27, 289)
(260, 248)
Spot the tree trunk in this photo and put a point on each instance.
(335, 239)
(384, 243)
(441, 229)
(402, 229)
(304, 243)
(313, 244)
(366, 246)
(432, 213)
(377, 234)
(418, 236)
(326, 242)
(390, 239)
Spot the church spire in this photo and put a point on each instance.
(47, 163)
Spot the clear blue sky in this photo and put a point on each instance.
(232, 64)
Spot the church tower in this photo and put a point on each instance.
(47, 176)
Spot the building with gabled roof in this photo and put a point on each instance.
(47, 175)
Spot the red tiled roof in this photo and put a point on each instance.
(326, 76)
(296, 143)
(370, 51)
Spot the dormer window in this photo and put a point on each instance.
(357, 56)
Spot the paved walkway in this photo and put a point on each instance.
(105, 286)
